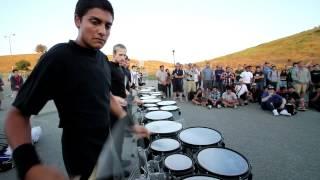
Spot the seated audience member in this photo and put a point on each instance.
(214, 99)
(242, 92)
(315, 99)
(198, 97)
(229, 98)
(294, 98)
(274, 102)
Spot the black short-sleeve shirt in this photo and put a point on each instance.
(77, 79)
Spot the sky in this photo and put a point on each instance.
(150, 29)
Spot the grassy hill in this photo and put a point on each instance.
(303, 46)
(8, 62)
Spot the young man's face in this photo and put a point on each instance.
(120, 55)
(94, 28)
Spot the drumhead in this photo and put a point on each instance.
(145, 90)
(169, 108)
(200, 136)
(152, 108)
(222, 161)
(199, 177)
(149, 105)
(165, 145)
(166, 103)
(164, 127)
(151, 101)
(178, 162)
(148, 97)
(158, 115)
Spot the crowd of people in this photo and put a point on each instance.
(294, 87)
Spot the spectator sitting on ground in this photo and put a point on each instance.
(274, 102)
(229, 98)
(315, 99)
(197, 99)
(214, 99)
(294, 98)
(242, 92)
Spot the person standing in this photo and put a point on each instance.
(207, 78)
(81, 94)
(177, 82)
(1, 92)
(162, 78)
(16, 82)
(169, 81)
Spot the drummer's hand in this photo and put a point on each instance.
(120, 100)
(116, 107)
(137, 101)
(140, 131)
(43, 172)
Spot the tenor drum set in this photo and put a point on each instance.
(175, 152)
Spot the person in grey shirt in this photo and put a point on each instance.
(207, 77)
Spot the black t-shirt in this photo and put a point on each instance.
(77, 79)
(315, 76)
(178, 72)
(117, 80)
(258, 74)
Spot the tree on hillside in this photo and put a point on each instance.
(40, 48)
(23, 65)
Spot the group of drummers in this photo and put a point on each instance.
(177, 152)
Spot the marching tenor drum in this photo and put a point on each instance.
(177, 165)
(149, 109)
(163, 147)
(158, 115)
(160, 129)
(224, 163)
(195, 138)
(166, 103)
(173, 109)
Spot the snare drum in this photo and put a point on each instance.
(163, 147)
(224, 163)
(158, 115)
(166, 103)
(173, 109)
(195, 138)
(177, 165)
(163, 129)
(149, 105)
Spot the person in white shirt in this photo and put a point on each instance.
(162, 80)
(242, 92)
(247, 77)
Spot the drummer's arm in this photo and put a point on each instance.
(116, 108)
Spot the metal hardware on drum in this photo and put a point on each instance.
(224, 163)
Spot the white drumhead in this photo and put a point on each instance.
(148, 97)
(164, 127)
(153, 109)
(169, 108)
(150, 101)
(149, 105)
(158, 115)
(166, 103)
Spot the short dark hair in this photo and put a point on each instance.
(118, 46)
(83, 6)
(14, 70)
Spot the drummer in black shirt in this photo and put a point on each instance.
(76, 76)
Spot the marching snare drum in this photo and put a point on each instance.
(178, 165)
(194, 138)
(149, 105)
(158, 115)
(173, 109)
(166, 103)
(224, 163)
(164, 147)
